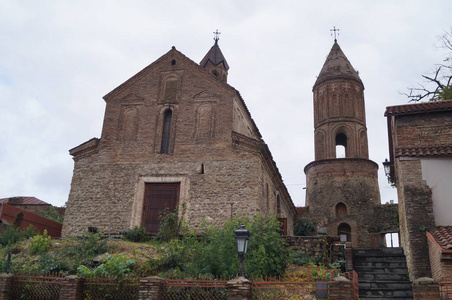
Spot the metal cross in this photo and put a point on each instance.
(334, 30)
(217, 35)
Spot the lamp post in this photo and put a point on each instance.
(241, 239)
(387, 168)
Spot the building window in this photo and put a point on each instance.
(341, 145)
(341, 210)
(278, 206)
(166, 133)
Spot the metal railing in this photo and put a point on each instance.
(36, 286)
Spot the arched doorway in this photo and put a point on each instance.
(345, 232)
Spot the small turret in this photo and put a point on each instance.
(214, 61)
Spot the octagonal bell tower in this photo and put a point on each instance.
(342, 184)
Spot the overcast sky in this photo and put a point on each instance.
(59, 58)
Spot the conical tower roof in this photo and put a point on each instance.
(337, 66)
(215, 56)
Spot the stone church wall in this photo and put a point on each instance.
(106, 201)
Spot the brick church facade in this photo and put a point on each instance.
(175, 134)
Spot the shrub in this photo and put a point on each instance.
(52, 214)
(12, 235)
(215, 251)
(116, 267)
(300, 258)
(137, 234)
(171, 226)
(82, 251)
(9, 236)
(40, 243)
(303, 228)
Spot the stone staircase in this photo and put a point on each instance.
(382, 273)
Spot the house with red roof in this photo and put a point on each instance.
(420, 147)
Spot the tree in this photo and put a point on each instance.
(438, 84)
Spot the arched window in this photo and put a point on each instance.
(341, 210)
(166, 132)
(341, 145)
(345, 232)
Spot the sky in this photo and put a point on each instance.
(59, 58)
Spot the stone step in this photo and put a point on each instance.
(375, 270)
(395, 285)
(383, 277)
(377, 252)
(385, 293)
(387, 264)
(370, 259)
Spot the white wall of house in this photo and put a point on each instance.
(437, 172)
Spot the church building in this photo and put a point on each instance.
(175, 136)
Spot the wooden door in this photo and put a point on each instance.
(283, 223)
(157, 198)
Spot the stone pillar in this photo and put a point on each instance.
(151, 288)
(341, 289)
(239, 289)
(5, 285)
(71, 288)
(425, 288)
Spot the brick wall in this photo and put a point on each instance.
(354, 183)
(416, 134)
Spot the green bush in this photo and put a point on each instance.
(12, 235)
(137, 234)
(300, 258)
(171, 225)
(52, 214)
(214, 252)
(303, 228)
(116, 267)
(81, 251)
(9, 236)
(40, 243)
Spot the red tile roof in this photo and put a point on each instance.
(419, 108)
(424, 151)
(23, 201)
(443, 236)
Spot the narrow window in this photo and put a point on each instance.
(166, 133)
(278, 206)
(341, 145)
(341, 210)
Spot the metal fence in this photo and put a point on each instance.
(195, 288)
(110, 288)
(36, 286)
(315, 286)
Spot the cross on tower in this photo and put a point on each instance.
(334, 31)
(217, 36)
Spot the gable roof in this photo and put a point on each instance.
(20, 200)
(337, 66)
(419, 108)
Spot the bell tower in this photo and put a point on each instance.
(342, 184)
(339, 116)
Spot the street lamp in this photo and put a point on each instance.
(387, 168)
(241, 239)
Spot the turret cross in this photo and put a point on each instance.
(217, 35)
(334, 31)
